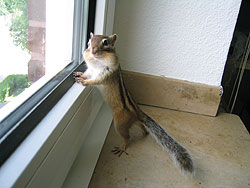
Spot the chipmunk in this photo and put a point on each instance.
(104, 71)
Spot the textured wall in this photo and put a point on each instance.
(187, 40)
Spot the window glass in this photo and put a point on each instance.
(35, 44)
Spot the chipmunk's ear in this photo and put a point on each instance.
(113, 38)
(91, 35)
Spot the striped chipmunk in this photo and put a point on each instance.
(104, 71)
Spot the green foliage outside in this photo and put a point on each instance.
(13, 85)
(19, 21)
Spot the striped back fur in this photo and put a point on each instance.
(179, 154)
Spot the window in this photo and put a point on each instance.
(42, 42)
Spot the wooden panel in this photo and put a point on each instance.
(173, 94)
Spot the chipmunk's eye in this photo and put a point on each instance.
(105, 42)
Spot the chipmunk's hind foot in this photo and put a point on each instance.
(118, 151)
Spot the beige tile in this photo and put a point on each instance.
(220, 147)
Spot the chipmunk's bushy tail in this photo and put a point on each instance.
(179, 153)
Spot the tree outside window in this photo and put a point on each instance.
(26, 23)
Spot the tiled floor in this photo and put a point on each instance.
(220, 147)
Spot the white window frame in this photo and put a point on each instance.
(46, 156)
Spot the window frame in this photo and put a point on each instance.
(27, 116)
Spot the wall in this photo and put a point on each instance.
(186, 40)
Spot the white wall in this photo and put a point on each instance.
(187, 40)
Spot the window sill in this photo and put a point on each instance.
(45, 157)
(81, 171)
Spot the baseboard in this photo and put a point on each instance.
(173, 94)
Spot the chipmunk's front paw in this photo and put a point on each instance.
(77, 74)
(81, 80)
(118, 151)
(81, 75)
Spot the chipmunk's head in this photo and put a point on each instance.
(99, 45)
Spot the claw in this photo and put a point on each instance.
(118, 151)
(77, 79)
(77, 74)
(115, 149)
